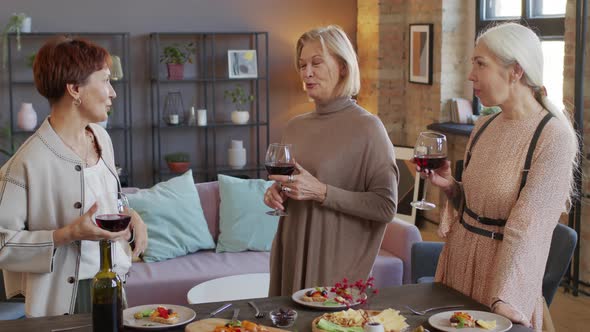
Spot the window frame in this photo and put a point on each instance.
(550, 27)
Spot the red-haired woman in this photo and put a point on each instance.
(49, 188)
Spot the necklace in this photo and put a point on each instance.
(86, 141)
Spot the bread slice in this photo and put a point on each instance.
(172, 319)
(314, 298)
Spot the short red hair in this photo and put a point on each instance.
(64, 60)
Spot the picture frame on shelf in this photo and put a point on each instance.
(242, 64)
(421, 42)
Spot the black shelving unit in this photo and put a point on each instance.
(202, 87)
(21, 88)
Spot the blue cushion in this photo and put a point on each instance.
(12, 310)
(174, 217)
(243, 222)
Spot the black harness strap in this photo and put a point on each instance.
(525, 172)
(532, 146)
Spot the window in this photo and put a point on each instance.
(547, 18)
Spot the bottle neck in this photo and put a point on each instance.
(106, 263)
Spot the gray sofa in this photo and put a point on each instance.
(169, 281)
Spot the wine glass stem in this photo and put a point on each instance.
(424, 191)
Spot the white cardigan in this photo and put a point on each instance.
(41, 190)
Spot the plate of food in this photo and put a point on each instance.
(157, 316)
(351, 319)
(469, 321)
(329, 297)
(226, 325)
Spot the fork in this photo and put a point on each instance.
(423, 312)
(234, 318)
(258, 314)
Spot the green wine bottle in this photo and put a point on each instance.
(107, 294)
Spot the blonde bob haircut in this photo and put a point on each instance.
(335, 42)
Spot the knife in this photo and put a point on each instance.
(220, 309)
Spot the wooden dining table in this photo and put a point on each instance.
(417, 296)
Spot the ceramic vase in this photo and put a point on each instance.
(27, 117)
(236, 155)
(240, 117)
(202, 117)
(26, 25)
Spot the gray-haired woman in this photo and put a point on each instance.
(500, 220)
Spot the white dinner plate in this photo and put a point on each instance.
(298, 297)
(441, 321)
(185, 315)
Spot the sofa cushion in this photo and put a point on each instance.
(209, 196)
(243, 223)
(388, 270)
(169, 281)
(174, 218)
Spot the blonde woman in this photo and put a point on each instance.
(344, 191)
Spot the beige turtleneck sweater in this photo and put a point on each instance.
(346, 147)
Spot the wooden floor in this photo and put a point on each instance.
(569, 313)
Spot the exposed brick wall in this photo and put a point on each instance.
(568, 96)
(407, 108)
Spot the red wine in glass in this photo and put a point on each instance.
(431, 161)
(114, 222)
(430, 152)
(280, 168)
(279, 161)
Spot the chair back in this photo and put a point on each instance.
(10, 309)
(425, 258)
(562, 248)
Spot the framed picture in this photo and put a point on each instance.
(421, 53)
(408, 185)
(242, 64)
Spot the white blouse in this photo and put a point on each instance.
(98, 179)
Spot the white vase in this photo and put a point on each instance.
(240, 117)
(26, 25)
(27, 117)
(236, 155)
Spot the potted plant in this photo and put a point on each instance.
(177, 162)
(175, 56)
(240, 99)
(17, 23)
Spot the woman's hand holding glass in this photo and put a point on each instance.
(84, 228)
(274, 197)
(440, 177)
(301, 186)
(430, 153)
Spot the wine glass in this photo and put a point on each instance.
(430, 152)
(279, 161)
(113, 211)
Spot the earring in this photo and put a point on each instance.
(77, 102)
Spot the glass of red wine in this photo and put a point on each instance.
(113, 212)
(279, 161)
(430, 152)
